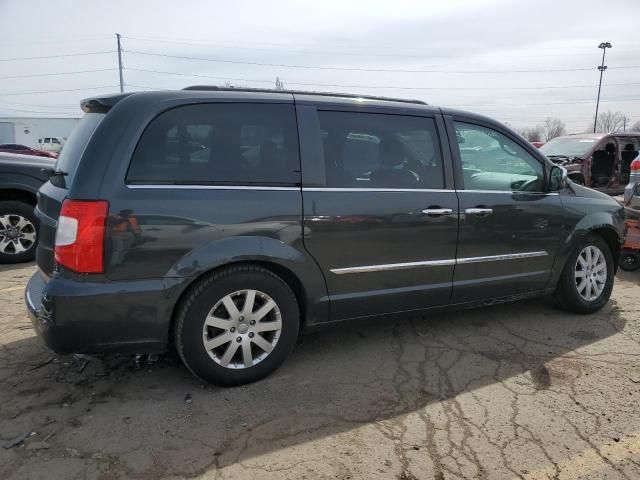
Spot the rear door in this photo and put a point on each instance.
(380, 212)
(510, 227)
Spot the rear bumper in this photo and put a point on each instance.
(84, 317)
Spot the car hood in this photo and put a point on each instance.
(19, 159)
(585, 192)
(562, 161)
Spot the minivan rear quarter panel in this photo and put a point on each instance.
(198, 227)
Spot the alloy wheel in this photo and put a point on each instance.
(17, 234)
(590, 273)
(242, 329)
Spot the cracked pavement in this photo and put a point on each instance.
(520, 390)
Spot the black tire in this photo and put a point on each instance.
(629, 261)
(567, 295)
(202, 297)
(12, 209)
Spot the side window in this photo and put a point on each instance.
(492, 161)
(55, 141)
(370, 150)
(47, 140)
(225, 144)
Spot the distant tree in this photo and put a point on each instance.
(610, 121)
(635, 127)
(532, 134)
(279, 84)
(553, 127)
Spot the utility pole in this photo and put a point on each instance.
(120, 64)
(602, 68)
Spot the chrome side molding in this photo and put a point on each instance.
(438, 263)
(393, 266)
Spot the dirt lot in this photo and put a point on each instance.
(511, 391)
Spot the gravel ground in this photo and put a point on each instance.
(511, 391)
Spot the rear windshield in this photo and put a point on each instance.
(73, 148)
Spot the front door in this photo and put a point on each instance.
(383, 224)
(510, 228)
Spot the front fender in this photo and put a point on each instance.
(266, 251)
(608, 220)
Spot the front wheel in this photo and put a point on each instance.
(587, 279)
(237, 325)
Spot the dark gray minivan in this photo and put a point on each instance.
(227, 221)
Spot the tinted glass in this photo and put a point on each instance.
(492, 161)
(72, 151)
(367, 150)
(237, 144)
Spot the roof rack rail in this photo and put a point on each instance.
(301, 92)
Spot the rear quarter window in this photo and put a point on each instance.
(225, 144)
(70, 155)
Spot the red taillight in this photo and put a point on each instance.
(80, 235)
(635, 166)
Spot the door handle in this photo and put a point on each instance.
(478, 211)
(434, 212)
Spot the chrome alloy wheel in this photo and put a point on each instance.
(591, 273)
(242, 329)
(17, 234)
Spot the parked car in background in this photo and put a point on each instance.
(24, 150)
(52, 144)
(597, 160)
(227, 221)
(20, 178)
(537, 144)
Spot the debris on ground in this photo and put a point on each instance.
(42, 364)
(188, 398)
(17, 440)
(38, 446)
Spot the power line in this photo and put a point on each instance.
(57, 73)
(57, 91)
(360, 69)
(287, 45)
(394, 87)
(47, 42)
(17, 59)
(370, 54)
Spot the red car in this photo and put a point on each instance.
(24, 150)
(537, 144)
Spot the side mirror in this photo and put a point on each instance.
(557, 178)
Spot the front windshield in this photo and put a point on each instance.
(568, 146)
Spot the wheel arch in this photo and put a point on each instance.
(288, 276)
(18, 195)
(601, 224)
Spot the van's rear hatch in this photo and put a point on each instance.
(53, 192)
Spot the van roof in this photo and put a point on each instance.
(104, 103)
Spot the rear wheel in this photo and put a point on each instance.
(237, 325)
(18, 232)
(587, 279)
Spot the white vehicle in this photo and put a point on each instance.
(51, 144)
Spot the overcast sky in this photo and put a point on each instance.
(517, 61)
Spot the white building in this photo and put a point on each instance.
(27, 130)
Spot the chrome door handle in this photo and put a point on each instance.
(437, 211)
(478, 211)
